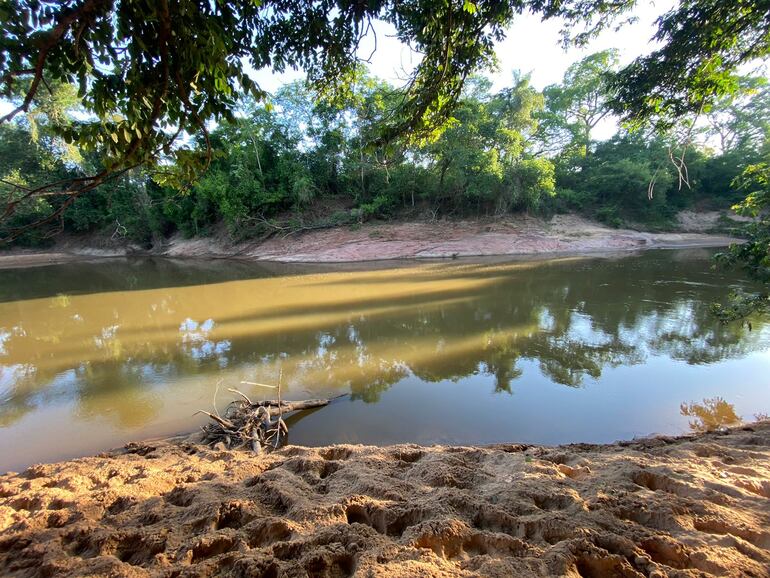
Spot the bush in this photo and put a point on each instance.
(610, 215)
(529, 182)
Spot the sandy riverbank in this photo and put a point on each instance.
(519, 235)
(660, 507)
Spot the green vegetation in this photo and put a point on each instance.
(754, 255)
(148, 73)
(306, 161)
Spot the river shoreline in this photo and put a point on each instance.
(519, 236)
(696, 505)
(664, 506)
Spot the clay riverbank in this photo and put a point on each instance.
(516, 235)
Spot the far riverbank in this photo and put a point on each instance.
(563, 234)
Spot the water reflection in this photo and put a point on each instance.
(125, 347)
(710, 414)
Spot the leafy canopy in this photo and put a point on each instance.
(704, 42)
(579, 103)
(149, 71)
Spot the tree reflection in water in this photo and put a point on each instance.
(710, 414)
(119, 349)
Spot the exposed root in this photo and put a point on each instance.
(253, 425)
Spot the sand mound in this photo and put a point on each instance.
(659, 507)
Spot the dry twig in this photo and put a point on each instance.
(251, 424)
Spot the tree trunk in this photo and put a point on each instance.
(256, 153)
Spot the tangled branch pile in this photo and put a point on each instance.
(254, 425)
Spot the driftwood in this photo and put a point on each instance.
(251, 425)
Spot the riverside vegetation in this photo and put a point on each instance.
(300, 161)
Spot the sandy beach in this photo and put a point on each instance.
(690, 506)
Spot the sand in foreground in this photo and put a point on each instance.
(659, 507)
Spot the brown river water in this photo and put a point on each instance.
(576, 349)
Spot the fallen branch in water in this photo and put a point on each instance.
(247, 424)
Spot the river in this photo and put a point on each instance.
(574, 349)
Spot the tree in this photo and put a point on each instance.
(741, 121)
(579, 103)
(704, 42)
(482, 161)
(466, 158)
(33, 152)
(611, 184)
(516, 110)
(149, 72)
(754, 255)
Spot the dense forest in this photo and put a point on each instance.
(302, 160)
